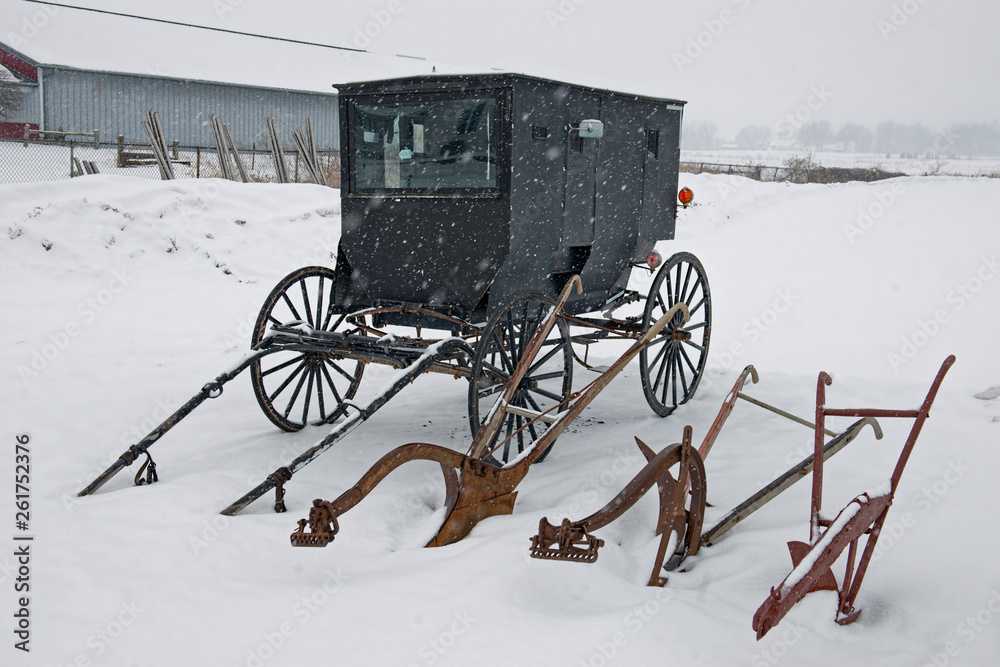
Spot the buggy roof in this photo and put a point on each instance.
(434, 82)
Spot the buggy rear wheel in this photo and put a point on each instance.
(672, 364)
(546, 384)
(297, 388)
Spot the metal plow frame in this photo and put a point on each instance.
(475, 488)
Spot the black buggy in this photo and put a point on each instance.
(468, 203)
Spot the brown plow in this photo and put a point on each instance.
(477, 487)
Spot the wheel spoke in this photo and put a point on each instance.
(330, 313)
(498, 371)
(662, 368)
(506, 444)
(308, 399)
(673, 372)
(548, 394)
(283, 365)
(489, 391)
(660, 340)
(680, 373)
(319, 394)
(676, 296)
(695, 346)
(295, 395)
(305, 303)
(512, 340)
(535, 366)
(291, 306)
(287, 381)
(668, 364)
(333, 387)
(544, 376)
(520, 433)
(319, 303)
(501, 352)
(681, 296)
(694, 288)
(336, 367)
(687, 359)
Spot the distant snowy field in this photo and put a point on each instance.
(123, 296)
(916, 166)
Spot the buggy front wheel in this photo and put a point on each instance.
(297, 388)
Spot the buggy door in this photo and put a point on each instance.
(581, 172)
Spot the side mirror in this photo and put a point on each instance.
(590, 129)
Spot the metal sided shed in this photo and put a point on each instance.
(464, 190)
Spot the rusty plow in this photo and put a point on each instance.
(477, 488)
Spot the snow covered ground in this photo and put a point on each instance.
(123, 296)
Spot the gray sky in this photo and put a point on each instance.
(735, 61)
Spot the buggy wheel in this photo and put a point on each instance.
(546, 384)
(299, 388)
(672, 364)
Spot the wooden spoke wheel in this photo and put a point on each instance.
(546, 384)
(299, 388)
(671, 366)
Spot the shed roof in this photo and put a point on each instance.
(45, 35)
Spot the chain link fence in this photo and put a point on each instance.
(26, 162)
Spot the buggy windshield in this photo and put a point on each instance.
(427, 145)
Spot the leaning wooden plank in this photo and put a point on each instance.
(161, 141)
(161, 160)
(314, 158)
(235, 153)
(274, 138)
(220, 149)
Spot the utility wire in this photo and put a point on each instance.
(205, 27)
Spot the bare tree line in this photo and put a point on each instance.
(888, 137)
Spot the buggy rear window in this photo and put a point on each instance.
(424, 145)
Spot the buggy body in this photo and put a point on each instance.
(459, 192)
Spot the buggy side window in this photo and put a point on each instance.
(425, 145)
(653, 142)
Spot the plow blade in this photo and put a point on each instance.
(813, 571)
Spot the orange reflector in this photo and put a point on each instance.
(686, 196)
